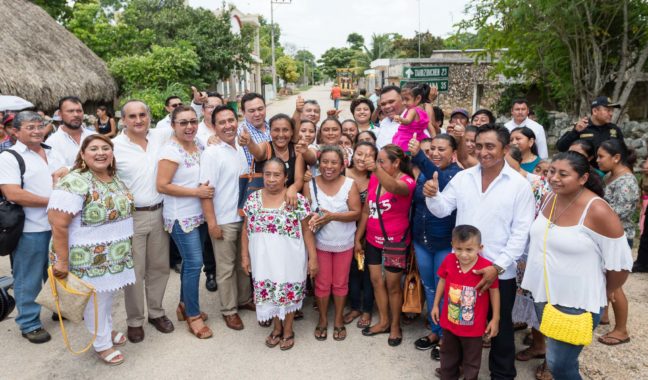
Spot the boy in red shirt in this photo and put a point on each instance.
(465, 311)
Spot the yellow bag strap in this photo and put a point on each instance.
(92, 293)
(546, 236)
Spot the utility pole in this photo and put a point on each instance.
(419, 28)
(272, 41)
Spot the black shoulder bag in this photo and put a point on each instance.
(12, 215)
(394, 253)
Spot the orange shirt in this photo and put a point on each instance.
(336, 92)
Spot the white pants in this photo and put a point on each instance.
(104, 320)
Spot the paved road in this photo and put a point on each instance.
(229, 354)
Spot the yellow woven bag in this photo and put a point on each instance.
(568, 328)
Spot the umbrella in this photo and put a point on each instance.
(13, 103)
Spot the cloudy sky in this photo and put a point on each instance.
(320, 24)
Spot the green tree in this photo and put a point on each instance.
(408, 47)
(335, 58)
(305, 61)
(265, 40)
(287, 69)
(576, 48)
(356, 41)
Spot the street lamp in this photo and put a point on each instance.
(274, 69)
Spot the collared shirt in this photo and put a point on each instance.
(385, 134)
(595, 134)
(222, 164)
(37, 180)
(258, 136)
(538, 130)
(164, 123)
(6, 144)
(204, 133)
(137, 167)
(63, 144)
(503, 213)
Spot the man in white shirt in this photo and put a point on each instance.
(67, 140)
(498, 201)
(32, 191)
(221, 165)
(206, 128)
(136, 153)
(391, 104)
(520, 114)
(169, 105)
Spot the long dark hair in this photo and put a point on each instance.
(395, 152)
(528, 133)
(81, 165)
(615, 146)
(373, 149)
(581, 165)
(587, 146)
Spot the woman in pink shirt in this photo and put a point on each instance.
(391, 187)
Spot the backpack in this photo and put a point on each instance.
(7, 302)
(12, 216)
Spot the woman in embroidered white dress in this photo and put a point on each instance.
(178, 180)
(274, 240)
(90, 211)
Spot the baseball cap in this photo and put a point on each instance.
(605, 102)
(7, 119)
(461, 111)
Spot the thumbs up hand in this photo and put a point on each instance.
(302, 146)
(458, 130)
(205, 191)
(414, 145)
(198, 97)
(431, 187)
(299, 105)
(244, 137)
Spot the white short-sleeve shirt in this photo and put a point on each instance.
(63, 144)
(37, 180)
(538, 130)
(222, 164)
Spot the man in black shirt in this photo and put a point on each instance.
(595, 129)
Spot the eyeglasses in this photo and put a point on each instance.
(174, 105)
(185, 123)
(32, 128)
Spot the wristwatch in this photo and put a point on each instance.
(499, 269)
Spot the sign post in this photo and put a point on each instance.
(435, 76)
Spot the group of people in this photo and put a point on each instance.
(294, 206)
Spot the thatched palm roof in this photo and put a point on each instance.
(42, 61)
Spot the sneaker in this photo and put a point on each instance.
(424, 344)
(37, 336)
(435, 354)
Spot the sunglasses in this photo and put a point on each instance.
(174, 105)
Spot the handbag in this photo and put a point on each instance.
(568, 328)
(7, 302)
(68, 298)
(12, 215)
(251, 182)
(394, 252)
(413, 294)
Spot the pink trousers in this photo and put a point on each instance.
(333, 275)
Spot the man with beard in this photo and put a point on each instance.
(498, 201)
(67, 140)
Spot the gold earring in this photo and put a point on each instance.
(83, 164)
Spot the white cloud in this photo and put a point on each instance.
(320, 24)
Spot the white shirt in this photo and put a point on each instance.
(37, 179)
(137, 167)
(63, 144)
(164, 123)
(335, 236)
(503, 213)
(204, 133)
(385, 134)
(541, 137)
(221, 165)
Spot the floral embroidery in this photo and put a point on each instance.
(186, 224)
(281, 221)
(283, 294)
(189, 159)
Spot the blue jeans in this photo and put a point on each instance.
(428, 263)
(562, 358)
(190, 246)
(30, 262)
(336, 103)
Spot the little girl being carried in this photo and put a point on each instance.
(416, 120)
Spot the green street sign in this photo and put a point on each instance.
(425, 72)
(441, 84)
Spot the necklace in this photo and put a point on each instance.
(553, 222)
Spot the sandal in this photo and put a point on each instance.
(182, 314)
(321, 332)
(118, 339)
(543, 372)
(528, 354)
(528, 340)
(299, 314)
(362, 323)
(337, 333)
(273, 340)
(201, 332)
(609, 340)
(351, 316)
(265, 323)
(113, 358)
(287, 343)
(517, 326)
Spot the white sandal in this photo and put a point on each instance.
(110, 358)
(118, 339)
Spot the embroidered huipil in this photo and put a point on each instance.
(100, 233)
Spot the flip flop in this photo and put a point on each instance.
(287, 346)
(615, 341)
(118, 339)
(528, 354)
(337, 333)
(348, 316)
(321, 332)
(362, 323)
(273, 340)
(110, 359)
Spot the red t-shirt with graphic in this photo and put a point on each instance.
(464, 311)
(394, 210)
